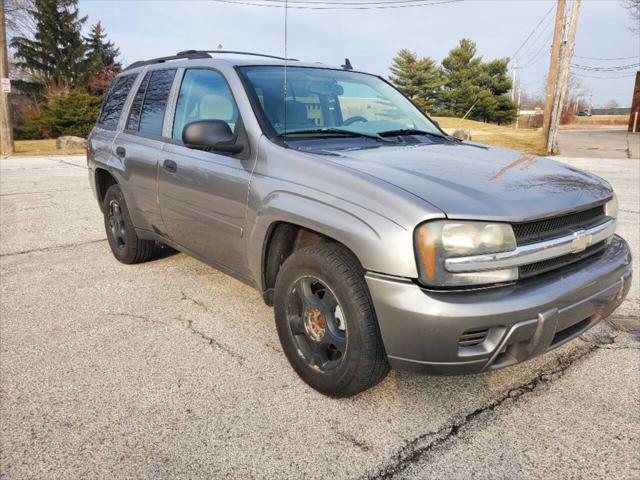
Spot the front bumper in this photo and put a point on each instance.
(421, 329)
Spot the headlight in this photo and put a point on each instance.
(438, 240)
(611, 207)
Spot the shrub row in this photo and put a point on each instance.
(72, 113)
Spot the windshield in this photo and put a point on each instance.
(328, 101)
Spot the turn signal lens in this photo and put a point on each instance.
(611, 207)
(427, 247)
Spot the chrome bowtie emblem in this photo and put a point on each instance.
(581, 240)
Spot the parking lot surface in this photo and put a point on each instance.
(599, 142)
(171, 369)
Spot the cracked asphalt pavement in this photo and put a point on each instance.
(170, 369)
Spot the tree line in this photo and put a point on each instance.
(463, 84)
(61, 73)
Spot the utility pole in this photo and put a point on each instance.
(563, 76)
(6, 130)
(634, 117)
(513, 82)
(552, 78)
(518, 106)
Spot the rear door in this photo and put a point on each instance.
(203, 195)
(103, 135)
(140, 148)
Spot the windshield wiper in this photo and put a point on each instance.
(412, 131)
(334, 131)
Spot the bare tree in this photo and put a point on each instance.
(577, 95)
(531, 100)
(19, 23)
(633, 6)
(18, 17)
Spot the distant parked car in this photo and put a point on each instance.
(584, 113)
(379, 239)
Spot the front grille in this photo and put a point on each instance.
(537, 268)
(471, 338)
(548, 228)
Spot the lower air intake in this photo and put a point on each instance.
(471, 338)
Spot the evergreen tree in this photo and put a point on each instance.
(461, 69)
(495, 78)
(100, 52)
(419, 79)
(477, 86)
(55, 56)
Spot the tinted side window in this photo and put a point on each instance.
(204, 95)
(112, 107)
(133, 123)
(155, 101)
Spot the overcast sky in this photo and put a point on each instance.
(370, 38)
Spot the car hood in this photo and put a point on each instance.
(472, 181)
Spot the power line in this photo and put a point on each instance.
(608, 59)
(534, 43)
(603, 78)
(341, 2)
(615, 68)
(540, 54)
(365, 6)
(532, 32)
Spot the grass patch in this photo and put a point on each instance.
(527, 140)
(43, 147)
(598, 121)
(524, 139)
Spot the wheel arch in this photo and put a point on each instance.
(104, 179)
(282, 240)
(289, 221)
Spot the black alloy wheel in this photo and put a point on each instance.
(317, 324)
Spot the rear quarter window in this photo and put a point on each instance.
(155, 100)
(114, 103)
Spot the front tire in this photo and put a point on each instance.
(326, 321)
(121, 234)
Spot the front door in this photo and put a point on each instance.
(203, 195)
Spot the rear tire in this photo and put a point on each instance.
(125, 244)
(315, 287)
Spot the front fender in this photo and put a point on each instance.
(380, 244)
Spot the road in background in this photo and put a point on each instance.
(171, 369)
(599, 143)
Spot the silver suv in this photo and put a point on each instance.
(379, 239)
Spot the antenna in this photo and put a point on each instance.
(347, 64)
(286, 64)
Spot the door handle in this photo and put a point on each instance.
(170, 166)
(121, 152)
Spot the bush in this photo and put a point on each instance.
(72, 113)
(566, 118)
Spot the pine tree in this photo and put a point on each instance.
(462, 69)
(55, 56)
(475, 86)
(496, 79)
(419, 79)
(100, 52)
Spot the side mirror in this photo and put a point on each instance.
(210, 135)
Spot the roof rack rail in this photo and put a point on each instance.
(186, 55)
(235, 52)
